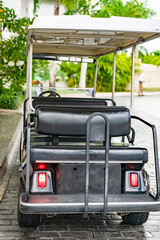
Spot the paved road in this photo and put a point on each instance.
(74, 227)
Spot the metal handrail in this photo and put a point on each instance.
(106, 134)
(156, 157)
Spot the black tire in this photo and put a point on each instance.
(28, 220)
(136, 218)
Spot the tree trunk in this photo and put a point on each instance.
(52, 75)
(24, 12)
(56, 7)
(52, 81)
(82, 83)
(136, 52)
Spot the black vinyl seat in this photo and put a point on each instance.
(51, 101)
(71, 120)
(63, 121)
(97, 153)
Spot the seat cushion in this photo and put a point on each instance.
(51, 101)
(97, 153)
(71, 121)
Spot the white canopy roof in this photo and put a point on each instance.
(87, 36)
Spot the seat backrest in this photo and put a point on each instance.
(52, 101)
(71, 120)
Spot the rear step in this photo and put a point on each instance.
(44, 204)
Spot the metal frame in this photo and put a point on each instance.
(156, 157)
(140, 202)
(29, 77)
(95, 78)
(28, 158)
(114, 75)
(132, 77)
(24, 112)
(87, 32)
(106, 137)
(43, 204)
(85, 204)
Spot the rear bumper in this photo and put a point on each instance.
(44, 204)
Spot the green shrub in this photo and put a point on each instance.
(10, 101)
(104, 75)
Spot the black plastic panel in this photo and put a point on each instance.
(71, 178)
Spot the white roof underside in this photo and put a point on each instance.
(86, 36)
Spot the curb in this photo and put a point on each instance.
(11, 111)
(9, 159)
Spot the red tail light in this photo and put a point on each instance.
(42, 179)
(41, 166)
(134, 179)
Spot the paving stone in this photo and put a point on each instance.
(92, 222)
(6, 212)
(8, 238)
(49, 234)
(137, 234)
(5, 222)
(83, 228)
(76, 234)
(5, 235)
(146, 228)
(156, 234)
(53, 228)
(115, 228)
(107, 234)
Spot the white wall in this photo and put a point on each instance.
(151, 76)
(46, 7)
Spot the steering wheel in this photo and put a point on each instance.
(52, 94)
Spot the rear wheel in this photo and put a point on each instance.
(136, 218)
(26, 220)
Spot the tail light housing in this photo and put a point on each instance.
(42, 179)
(134, 182)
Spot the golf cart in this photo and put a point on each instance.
(69, 163)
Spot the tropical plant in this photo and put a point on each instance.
(13, 50)
(149, 58)
(105, 73)
(13, 53)
(41, 69)
(108, 8)
(130, 8)
(72, 71)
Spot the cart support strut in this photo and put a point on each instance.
(114, 75)
(132, 77)
(95, 80)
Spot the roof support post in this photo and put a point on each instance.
(27, 90)
(132, 77)
(114, 75)
(30, 74)
(95, 79)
